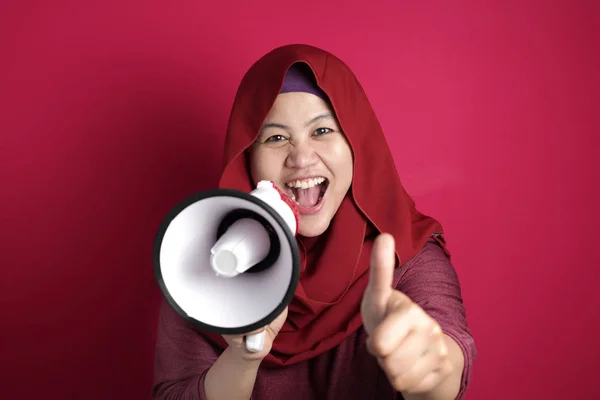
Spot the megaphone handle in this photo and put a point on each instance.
(255, 343)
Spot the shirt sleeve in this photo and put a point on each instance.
(182, 358)
(431, 281)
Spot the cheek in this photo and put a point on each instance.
(342, 162)
(264, 165)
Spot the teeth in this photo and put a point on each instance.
(307, 183)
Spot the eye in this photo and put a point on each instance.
(322, 131)
(275, 138)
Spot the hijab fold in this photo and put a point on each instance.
(325, 309)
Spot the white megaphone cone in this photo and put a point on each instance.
(228, 261)
(246, 243)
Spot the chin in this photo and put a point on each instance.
(312, 226)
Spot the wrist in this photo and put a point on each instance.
(231, 377)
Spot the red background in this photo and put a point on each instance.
(113, 111)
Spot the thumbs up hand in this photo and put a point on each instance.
(409, 345)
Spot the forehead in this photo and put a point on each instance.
(297, 105)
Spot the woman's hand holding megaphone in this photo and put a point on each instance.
(237, 343)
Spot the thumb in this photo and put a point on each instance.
(381, 271)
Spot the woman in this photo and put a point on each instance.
(378, 312)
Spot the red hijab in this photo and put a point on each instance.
(335, 266)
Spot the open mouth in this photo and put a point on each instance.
(308, 193)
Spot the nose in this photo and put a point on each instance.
(302, 156)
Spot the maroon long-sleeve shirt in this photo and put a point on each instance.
(346, 372)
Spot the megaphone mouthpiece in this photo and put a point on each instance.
(244, 245)
(246, 239)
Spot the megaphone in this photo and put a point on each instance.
(227, 261)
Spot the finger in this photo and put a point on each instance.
(239, 339)
(434, 378)
(381, 271)
(429, 382)
(281, 317)
(424, 337)
(234, 340)
(403, 357)
(425, 373)
(275, 326)
(391, 332)
(255, 331)
(403, 317)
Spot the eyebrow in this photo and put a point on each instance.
(319, 117)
